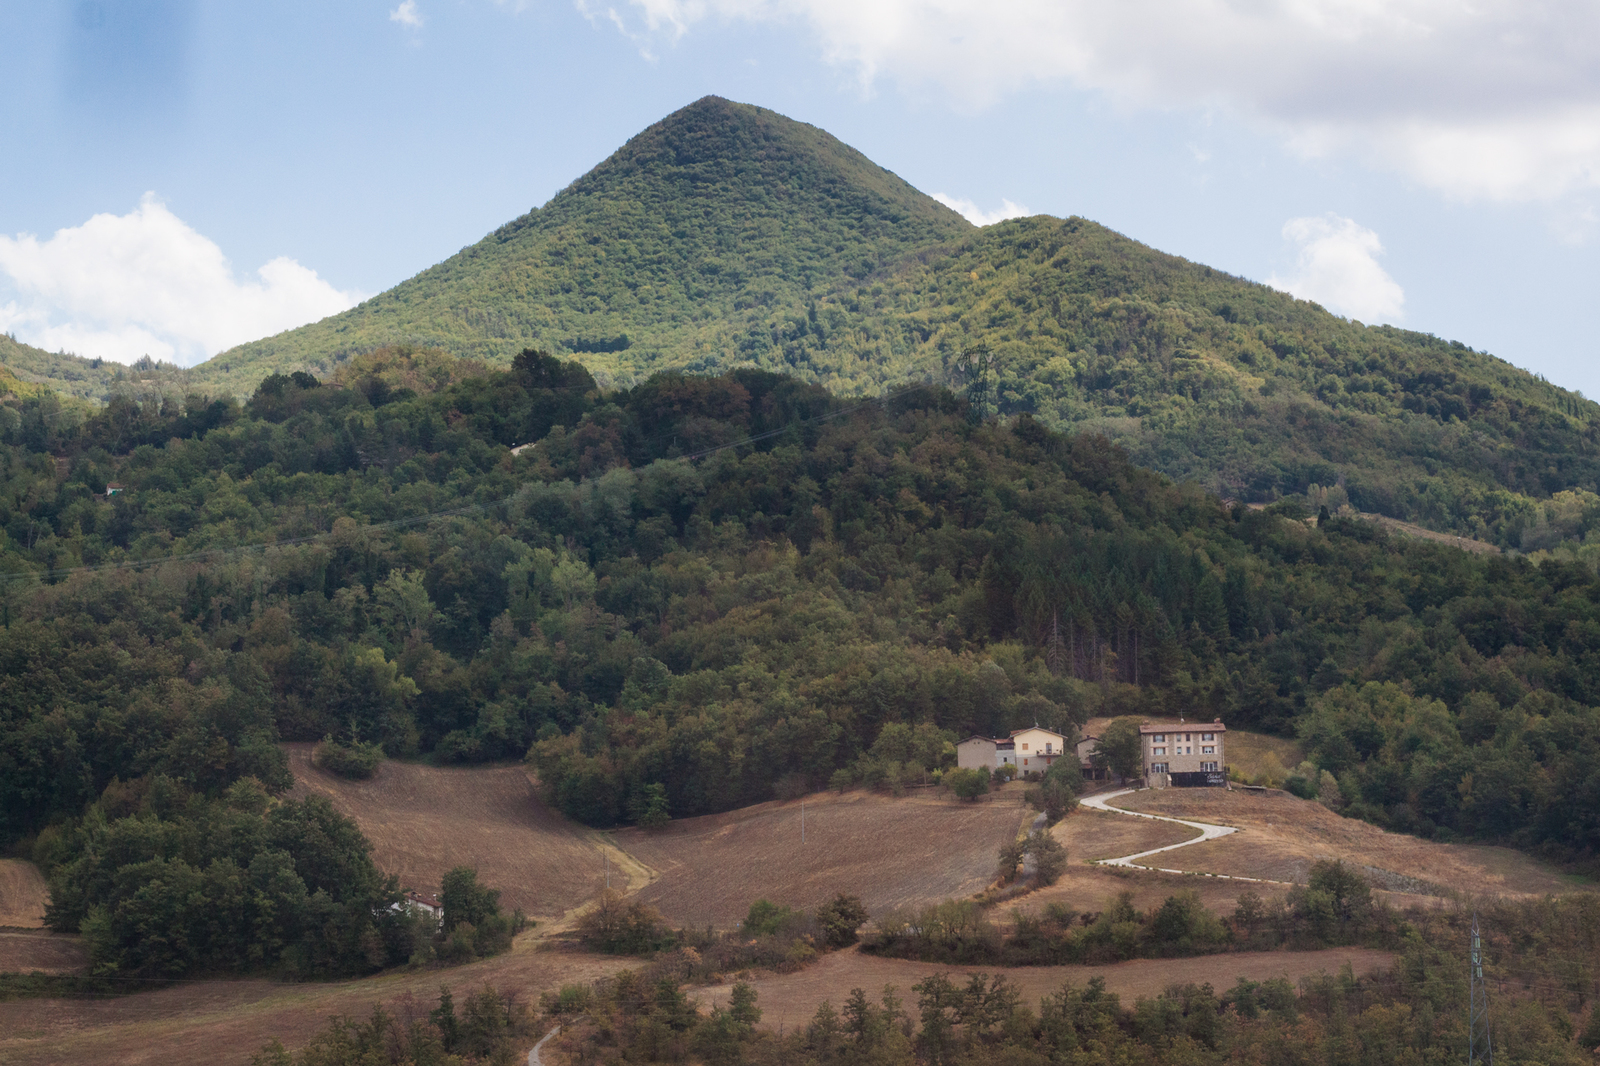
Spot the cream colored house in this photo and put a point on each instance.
(1184, 753)
(1030, 750)
(1035, 748)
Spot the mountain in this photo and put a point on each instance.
(70, 375)
(727, 235)
(647, 261)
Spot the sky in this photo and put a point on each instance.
(185, 175)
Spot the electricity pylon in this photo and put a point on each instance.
(1480, 1051)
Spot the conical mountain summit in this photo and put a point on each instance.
(719, 208)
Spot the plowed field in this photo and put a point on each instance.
(424, 820)
(25, 952)
(891, 852)
(22, 895)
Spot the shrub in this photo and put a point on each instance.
(967, 784)
(766, 918)
(356, 760)
(840, 918)
(619, 927)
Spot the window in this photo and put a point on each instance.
(1208, 736)
(1188, 737)
(1024, 746)
(1208, 749)
(1208, 766)
(1160, 738)
(1158, 751)
(1049, 746)
(1158, 768)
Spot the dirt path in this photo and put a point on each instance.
(1208, 831)
(533, 1056)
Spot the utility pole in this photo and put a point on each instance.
(1480, 1052)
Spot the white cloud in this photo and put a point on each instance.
(977, 215)
(1477, 99)
(144, 283)
(1337, 266)
(407, 15)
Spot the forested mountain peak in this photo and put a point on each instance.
(717, 211)
(719, 150)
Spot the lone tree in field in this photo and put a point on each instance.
(1120, 749)
(840, 918)
(1049, 858)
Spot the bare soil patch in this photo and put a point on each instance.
(28, 951)
(891, 852)
(218, 1023)
(23, 894)
(425, 820)
(788, 1000)
(1283, 835)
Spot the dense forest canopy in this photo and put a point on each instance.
(705, 588)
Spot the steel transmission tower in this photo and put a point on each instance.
(1480, 1052)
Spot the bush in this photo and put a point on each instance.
(356, 760)
(840, 918)
(1301, 786)
(766, 918)
(619, 927)
(968, 784)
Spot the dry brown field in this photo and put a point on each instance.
(918, 849)
(224, 1023)
(23, 894)
(1283, 835)
(1091, 835)
(425, 820)
(787, 1000)
(24, 951)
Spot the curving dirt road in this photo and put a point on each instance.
(1207, 832)
(533, 1056)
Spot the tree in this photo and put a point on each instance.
(649, 808)
(1120, 750)
(1010, 860)
(1589, 1039)
(1049, 856)
(619, 927)
(840, 918)
(968, 784)
(465, 901)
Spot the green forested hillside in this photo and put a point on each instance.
(645, 262)
(726, 236)
(69, 375)
(692, 595)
